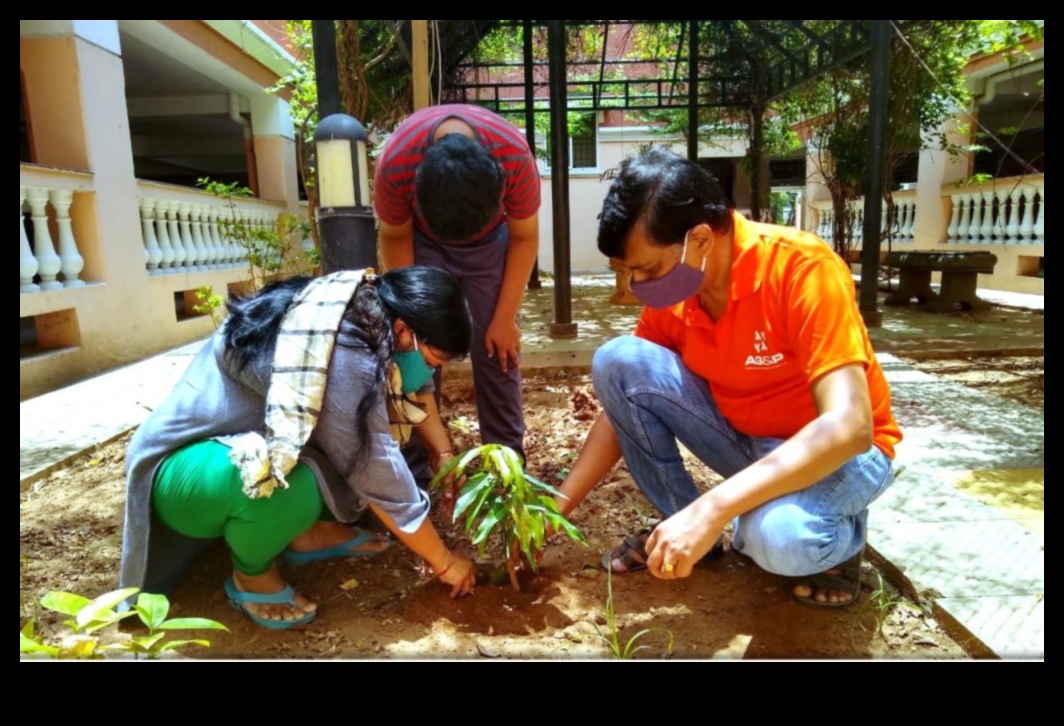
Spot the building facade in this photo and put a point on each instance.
(119, 120)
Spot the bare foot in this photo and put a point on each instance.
(270, 584)
(325, 535)
(824, 595)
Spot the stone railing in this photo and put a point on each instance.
(903, 227)
(186, 230)
(1002, 211)
(46, 261)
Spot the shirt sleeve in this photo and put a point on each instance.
(824, 324)
(381, 477)
(392, 199)
(657, 326)
(522, 198)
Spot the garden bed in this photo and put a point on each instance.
(70, 528)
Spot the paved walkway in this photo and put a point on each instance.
(963, 526)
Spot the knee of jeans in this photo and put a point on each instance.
(613, 364)
(782, 542)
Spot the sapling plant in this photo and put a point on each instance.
(89, 617)
(498, 497)
(628, 649)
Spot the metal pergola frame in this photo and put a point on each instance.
(796, 51)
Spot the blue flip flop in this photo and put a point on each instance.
(340, 551)
(286, 596)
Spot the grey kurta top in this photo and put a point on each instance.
(213, 400)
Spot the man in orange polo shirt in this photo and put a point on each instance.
(752, 353)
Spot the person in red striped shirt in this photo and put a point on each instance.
(457, 187)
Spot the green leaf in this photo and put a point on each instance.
(192, 624)
(457, 465)
(128, 647)
(544, 487)
(472, 491)
(174, 645)
(100, 609)
(28, 646)
(490, 522)
(64, 603)
(516, 464)
(479, 506)
(502, 467)
(147, 642)
(153, 610)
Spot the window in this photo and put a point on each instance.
(583, 143)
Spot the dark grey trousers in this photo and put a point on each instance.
(479, 268)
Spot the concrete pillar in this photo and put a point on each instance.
(275, 151)
(815, 188)
(938, 169)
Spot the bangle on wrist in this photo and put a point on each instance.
(435, 458)
(447, 568)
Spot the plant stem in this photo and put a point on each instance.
(513, 577)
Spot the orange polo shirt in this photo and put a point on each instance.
(792, 319)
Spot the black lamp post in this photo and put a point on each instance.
(345, 213)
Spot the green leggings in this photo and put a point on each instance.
(198, 493)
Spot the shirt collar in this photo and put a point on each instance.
(748, 267)
(748, 257)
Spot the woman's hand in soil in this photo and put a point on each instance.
(461, 575)
(678, 544)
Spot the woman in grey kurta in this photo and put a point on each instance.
(183, 489)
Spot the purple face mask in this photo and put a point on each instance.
(680, 284)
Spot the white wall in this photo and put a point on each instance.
(588, 190)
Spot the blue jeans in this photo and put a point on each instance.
(654, 401)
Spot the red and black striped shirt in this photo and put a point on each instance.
(393, 196)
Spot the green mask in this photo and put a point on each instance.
(416, 372)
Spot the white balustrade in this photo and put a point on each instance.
(908, 226)
(1012, 229)
(239, 253)
(153, 253)
(1004, 212)
(72, 263)
(49, 264)
(1028, 219)
(182, 254)
(953, 232)
(195, 252)
(1039, 226)
(196, 225)
(986, 232)
(210, 225)
(1001, 223)
(966, 217)
(27, 263)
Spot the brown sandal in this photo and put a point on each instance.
(847, 581)
(633, 553)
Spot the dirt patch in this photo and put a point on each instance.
(1017, 378)
(70, 525)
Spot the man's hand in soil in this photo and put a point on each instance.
(503, 339)
(679, 543)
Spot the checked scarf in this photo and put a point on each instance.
(297, 387)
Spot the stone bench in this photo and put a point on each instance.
(960, 277)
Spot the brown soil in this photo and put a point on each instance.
(1018, 378)
(70, 528)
